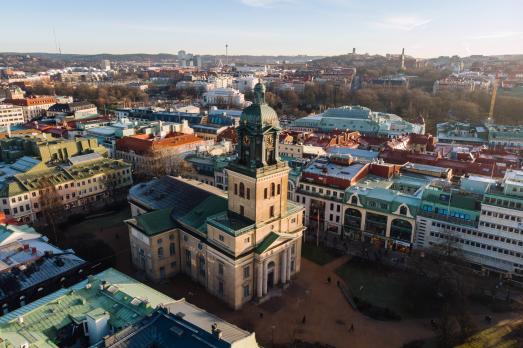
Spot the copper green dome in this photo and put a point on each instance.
(260, 113)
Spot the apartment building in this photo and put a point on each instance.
(11, 115)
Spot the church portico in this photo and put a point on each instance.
(274, 268)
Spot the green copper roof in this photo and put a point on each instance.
(259, 113)
(124, 299)
(155, 222)
(267, 242)
(196, 218)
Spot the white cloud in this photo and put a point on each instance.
(497, 35)
(405, 23)
(264, 3)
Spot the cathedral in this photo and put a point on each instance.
(239, 244)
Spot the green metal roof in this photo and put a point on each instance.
(197, 217)
(267, 242)
(125, 300)
(155, 222)
(260, 113)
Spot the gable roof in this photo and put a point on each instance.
(267, 242)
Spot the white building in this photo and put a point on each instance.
(482, 222)
(501, 224)
(245, 83)
(228, 96)
(11, 115)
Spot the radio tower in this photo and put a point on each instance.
(227, 54)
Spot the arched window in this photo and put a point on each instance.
(403, 210)
(354, 200)
(248, 193)
(273, 189)
(265, 194)
(235, 189)
(279, 189)
(242, 190)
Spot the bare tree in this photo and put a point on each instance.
(163, 162)
(51, 205)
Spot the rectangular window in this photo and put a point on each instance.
(188, 258)
(220, 237)
(235, 189)
(220, 268)
(271, 211)
(172, 249)
(246, 272)
(220, 287)
(246, 292)
(265, 193)
(160, 252)
(242, 210)
(248, 196)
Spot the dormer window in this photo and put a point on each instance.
(354, 200)
(403, 210)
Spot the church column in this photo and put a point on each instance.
(264, 277)
(283, 268)
(259, 286)
(289, 257)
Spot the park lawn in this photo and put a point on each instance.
(375, 286)
(319, 255)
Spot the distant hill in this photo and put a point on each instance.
(160, 57)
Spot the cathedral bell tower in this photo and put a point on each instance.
(258, 178)
(258, 133)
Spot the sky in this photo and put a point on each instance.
(425, 28)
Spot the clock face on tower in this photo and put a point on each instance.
(269, 140)
(246, 140)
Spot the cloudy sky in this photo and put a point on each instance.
(426, 28)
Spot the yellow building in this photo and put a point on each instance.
(239, 245)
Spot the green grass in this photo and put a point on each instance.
(373, 285)
(319, 255)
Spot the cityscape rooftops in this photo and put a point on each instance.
(339, 171)
(125, 302)
(184, 325)
(27, 259)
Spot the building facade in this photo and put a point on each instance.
(11, 115)
(238, 245)
(33, 107)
